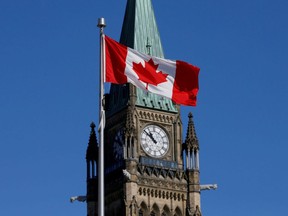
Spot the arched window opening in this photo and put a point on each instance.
(178, 212)
(155, 210)
(143, 209)
(166, 211)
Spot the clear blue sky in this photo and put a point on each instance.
(49, 53)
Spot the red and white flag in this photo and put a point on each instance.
(176, 80)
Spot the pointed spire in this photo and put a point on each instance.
(140, 24)
(92, 150)
(191, 140)
(140, 32)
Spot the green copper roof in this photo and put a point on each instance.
(140, 32)
(139, 28)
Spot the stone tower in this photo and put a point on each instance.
(149, 170)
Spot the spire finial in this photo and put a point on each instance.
(92, 125)
(91, 152)
(191, 140)
(190, 116)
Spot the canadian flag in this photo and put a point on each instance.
(176, 80)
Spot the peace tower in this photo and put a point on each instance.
(142, 178)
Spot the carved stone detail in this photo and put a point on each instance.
(130, 128)
(156, 117)
(161, 194)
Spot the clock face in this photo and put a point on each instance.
(154, 141)
(118, 145)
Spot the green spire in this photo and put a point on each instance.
(140, 32)
(139, 26)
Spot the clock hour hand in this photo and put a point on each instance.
(151, 136)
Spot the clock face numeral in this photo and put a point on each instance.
(154, 141)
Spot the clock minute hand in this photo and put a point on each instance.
(151, 137)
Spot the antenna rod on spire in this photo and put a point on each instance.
(101, 201)
(148, 46)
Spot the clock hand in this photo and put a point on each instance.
(151, 136)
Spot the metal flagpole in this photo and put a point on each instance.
(101, 201)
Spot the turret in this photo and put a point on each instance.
(92, 181)
(191, 146)
(191, 157)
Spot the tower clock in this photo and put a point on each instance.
(154, 141)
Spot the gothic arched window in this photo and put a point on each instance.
(178, 212)
(143, 209)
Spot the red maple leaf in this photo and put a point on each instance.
(148, 73)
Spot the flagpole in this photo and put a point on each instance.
(101, 198)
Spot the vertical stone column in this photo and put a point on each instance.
(193, 190)
(131, 188)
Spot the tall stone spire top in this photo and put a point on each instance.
(191, 140)
(91, 153)
(140, 24)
